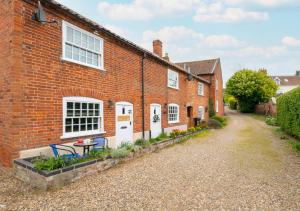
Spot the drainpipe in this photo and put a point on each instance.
(143, 95)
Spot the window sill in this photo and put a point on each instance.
(73, 135)
(201, 95)
(173, 122)
(176, 88)
(82, 64)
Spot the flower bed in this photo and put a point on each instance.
(34, 173)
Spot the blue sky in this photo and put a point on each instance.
(243, 33)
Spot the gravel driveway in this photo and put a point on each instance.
(244, 166)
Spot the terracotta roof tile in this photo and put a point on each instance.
(288, 80)
(200, 67)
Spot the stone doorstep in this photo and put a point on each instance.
(25, 171)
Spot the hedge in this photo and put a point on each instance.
(288, 109)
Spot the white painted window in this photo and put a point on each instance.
(217, 106)
(82, 116)
(173, 79)
(173, 113)
(201, 112)
(82, 47)
(200, 89)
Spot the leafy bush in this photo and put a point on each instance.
(192, 130)
(127, 145)
(212, 123)
(52, 163)
(198, 128)
(211, 107)
(271, 121)
(99, 154)
(175, 133)
(120, 153)
(232, 103)
(250, 87)
(222, 120)
(288, 109)
(142, 142)
(163, 136)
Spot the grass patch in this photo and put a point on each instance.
(256, 152)
(257, 116)
(291, 141)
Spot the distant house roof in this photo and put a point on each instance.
(96, 26)
(287, 80)
(201, 67)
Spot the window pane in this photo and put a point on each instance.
(77, 37)
(77, 105)
(95, 120)
(97, 45)
(95, 126)
(82, 127)
(84, 112)
(69, 112)
(69, 51)
(89, 58)
(96, 112)
(68, 121)
(90, 127)
(76, 53)
(68, 129)
(69, 34)
(91, 112)
(95, 59)
(84, 105)
(82, 55)
(97, 106)
(83, 40)
(82, 120)
(75, 121)
(89, 120)
(75, 128)
(77, 112)
(70, 105)
(91, 43)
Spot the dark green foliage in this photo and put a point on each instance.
(232, 103)
(142, 142)
(222, 120)
(211, 108)
(52, 163)
(212, 123)
(288, 109)
(249, 88)
(271, 121)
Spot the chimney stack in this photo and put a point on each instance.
(157, 47)
(297, 72)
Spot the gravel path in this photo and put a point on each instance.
(244, 166)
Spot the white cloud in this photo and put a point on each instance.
(216, 12)
(265, 3)
(145, 9)
(290, 41)
(115, 29)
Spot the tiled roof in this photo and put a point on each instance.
(200, 67)
(288, 80)
(97, 26)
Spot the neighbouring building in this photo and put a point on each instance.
(73, 78)
(287, 83)
(210, 70)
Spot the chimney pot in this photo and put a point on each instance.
(157, 47)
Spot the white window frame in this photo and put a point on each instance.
(100, 130)
(203, 112)
(217, 84)
(200, 91)
(64, 41)
(178, 113)
(217, 106)
(170, 72)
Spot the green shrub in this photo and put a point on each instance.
(271, 121)
(212, 123)
(198, 128)
(120, 153)
(175, 133)
(142, 142)
(232, 103)
(288, 109)
(163, 136)
(99, 154)
(127, 145)
(52, 163)
(211, 107)
(192, 130)
(221, 120)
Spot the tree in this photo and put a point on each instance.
(250, 87)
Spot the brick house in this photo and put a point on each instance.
(287, 83)
(73, 78)
(210, 70)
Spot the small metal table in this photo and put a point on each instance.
(86, 147)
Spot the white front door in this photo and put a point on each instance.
(124, 123)
(155, 120)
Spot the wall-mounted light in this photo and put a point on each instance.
(111, 104)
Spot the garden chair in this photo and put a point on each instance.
(59, 147)
(101, 143)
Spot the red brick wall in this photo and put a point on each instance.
(39, 80)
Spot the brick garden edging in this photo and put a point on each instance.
(44, 180)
